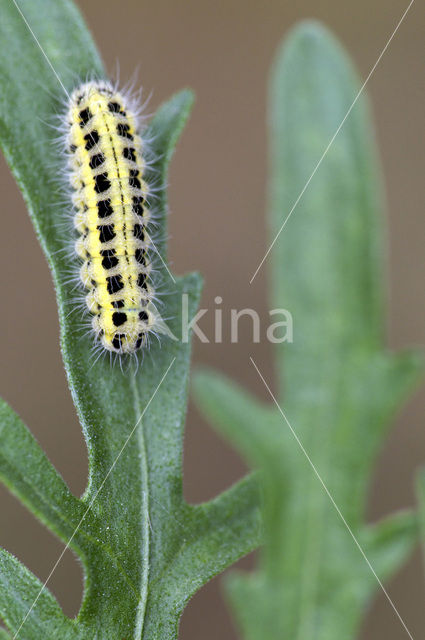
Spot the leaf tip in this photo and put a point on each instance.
(313, 42)
(310, 33)
(184, 101)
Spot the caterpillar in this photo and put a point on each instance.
(106, 168)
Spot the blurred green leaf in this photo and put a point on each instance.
(388, 542)
(143, 549)
(420, 492)
(337, 385)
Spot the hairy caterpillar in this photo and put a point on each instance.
(109, 194)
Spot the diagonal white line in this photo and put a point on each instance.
(332, 141)
(347, 526)
(163, 261)
(41, 48)
(93, 500)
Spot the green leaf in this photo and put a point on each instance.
(224, 527)
(140, 544)
(338, 388)
(32, 478)
(22, 600)
(388, 543)
(420, 492)
(337, 222)
(237, 415)
(215, 535)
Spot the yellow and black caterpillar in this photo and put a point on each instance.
(109, 195)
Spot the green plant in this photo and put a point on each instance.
(337, 386)
(144, 550)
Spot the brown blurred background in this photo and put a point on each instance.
(223, 50)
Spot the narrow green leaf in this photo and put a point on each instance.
(227, 527)
(373, 390)
(32, 478)
(389, 543)
(214, 535)
(238, 416)
(260, 434)
(337, 223)
(420, 492)
(21, 594)
(164, 130)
